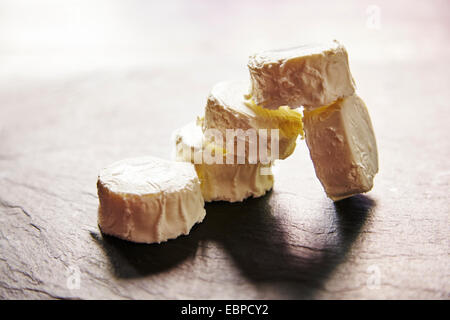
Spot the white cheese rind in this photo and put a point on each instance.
(342, 147)
(222, 182)
(227, 108)
(311, 76)
(149, 200)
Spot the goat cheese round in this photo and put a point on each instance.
(149, 199)
(221, 181)
(343, 147)
(311, 76)
(227, 110)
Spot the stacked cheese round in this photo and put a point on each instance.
(221, 181)
(311, 76)
(338, 129)
(227, 109)
(149, 199)
(342, 147)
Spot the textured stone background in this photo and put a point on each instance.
(83, 84)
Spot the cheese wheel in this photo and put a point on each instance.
(227, 182)
(311, 76)
(342, 147)
(228, 109)
(149, 199)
